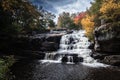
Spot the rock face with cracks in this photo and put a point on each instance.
(107, 44)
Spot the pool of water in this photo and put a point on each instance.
(35, 70)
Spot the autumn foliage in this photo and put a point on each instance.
(110, 10)
(79, 17)
(107, 10)
(109, 5)
(88, 25)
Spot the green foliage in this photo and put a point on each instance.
(5, 64)
(65, 21)
(94, 10)
(96, 5)
(18, 16)
(51, 24)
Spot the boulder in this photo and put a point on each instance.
(72, 58)
(91, 46)
(99, 56)
(64, 59)
(77, 59)
(112, 60)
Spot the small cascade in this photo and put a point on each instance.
(73, 49)
(50, 56)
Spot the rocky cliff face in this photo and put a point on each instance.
(41, 42)
(107, 44)
(33, 46)
(107, 38)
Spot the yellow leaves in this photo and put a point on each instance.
(88, 25)
(109, 6)
(110, 10)
(8, 5)
(5, 5)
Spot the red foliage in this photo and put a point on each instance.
(79, 17)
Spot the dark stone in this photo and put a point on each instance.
(69, 32)
(91, 46)
(112, 60)
(107, 38)
(73, 58)
(77, 59)
(19, 45)
(99, 56)
(39, 42)
(64, 59)
(53, 38)
(49, 46)
(81, 59)
(71, 40)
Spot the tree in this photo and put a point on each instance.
(51, 24)
(94, 10)
(65, 21)
(78, 18)
(110, 10)
(88, 26)
(47, 17)
(20, 16)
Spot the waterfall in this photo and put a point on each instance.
(76, 43)
(73, 48)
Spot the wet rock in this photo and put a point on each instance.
(69, 32)
(77, 59)
(49, 46)
(64, 59)
(91, 46)
(53, 38)
(71, 40)
(112, 60)
(72, 58)
(38, 42)
(99, 56)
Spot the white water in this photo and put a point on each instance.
(74, 43)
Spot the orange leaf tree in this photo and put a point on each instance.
(88, 26)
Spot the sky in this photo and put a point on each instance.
(58, 6)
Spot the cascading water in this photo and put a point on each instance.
(73, 48)
(76, 43)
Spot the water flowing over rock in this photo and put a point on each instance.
(73, 49)
(76, 43)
